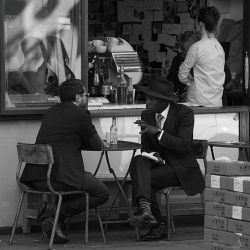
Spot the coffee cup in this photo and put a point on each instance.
(100, 48)
(98, 43)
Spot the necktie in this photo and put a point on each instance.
(159, 118)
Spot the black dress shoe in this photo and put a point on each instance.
(156, 232)
(142, 219)
(47, 226)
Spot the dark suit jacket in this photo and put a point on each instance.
(175, 145)
(68, 129)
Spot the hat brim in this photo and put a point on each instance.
(170, 97)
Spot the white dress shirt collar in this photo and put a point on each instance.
(164, 113)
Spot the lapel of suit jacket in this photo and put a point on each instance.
(169, 122)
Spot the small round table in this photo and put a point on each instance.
(120, 146)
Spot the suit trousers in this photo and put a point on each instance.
(148, 177)
(74, 204)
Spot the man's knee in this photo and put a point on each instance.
(105, 195)
(139, 162)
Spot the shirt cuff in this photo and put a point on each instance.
(160, 135)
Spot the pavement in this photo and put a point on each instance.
(187, 237)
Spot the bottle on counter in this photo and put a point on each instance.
(96, 85)
(91, 76)
(113, 131)
(113, 93)
(101, 81)
(130, 99)
(122, 88)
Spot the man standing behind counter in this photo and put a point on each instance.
(207, 58)
(68, 128)
(167, 158)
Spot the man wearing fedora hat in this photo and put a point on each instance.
(166, 156)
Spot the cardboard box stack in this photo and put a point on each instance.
(227, 205)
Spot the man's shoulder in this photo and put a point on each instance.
(66, 106)
(182, 108)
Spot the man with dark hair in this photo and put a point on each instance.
(186, 40)
(68, 128)
(167, 158)
(207, 60)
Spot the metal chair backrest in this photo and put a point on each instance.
(200, 150)
(35, 154)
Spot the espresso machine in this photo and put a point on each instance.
(106, 56)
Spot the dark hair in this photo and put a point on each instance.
(70, 88)
(210, 17)
(186, 36)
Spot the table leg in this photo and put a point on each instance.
(99, 163)
(120, 190)
(111, 170)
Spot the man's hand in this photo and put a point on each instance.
(146, 128)
(160, 160)
(105, 144)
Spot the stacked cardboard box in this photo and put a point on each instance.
(227, 205)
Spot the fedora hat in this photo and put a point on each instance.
(160, 88)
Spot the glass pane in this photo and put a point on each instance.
(42, 46)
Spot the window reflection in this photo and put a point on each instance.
(42, 50)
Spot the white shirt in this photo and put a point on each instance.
(207, 58)
(164, 113)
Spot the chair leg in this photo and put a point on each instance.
(59, 203)
(101, 226)
(17, 216)
(87, 218)
(203, 199)
(168, 213)
(172, 222)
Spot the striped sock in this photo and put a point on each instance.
(145, 207)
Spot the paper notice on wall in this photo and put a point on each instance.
(137, 28)
(146, 36)
(172, 28)
(160, 56)
(162, 38)
(125, 11)
(152, 56)
(155, 46)
(187, 27)
(182, 6)
(149, 5)
(170, 40)
(133, 38)
(185, 18)
(147, 45)
(127, 29)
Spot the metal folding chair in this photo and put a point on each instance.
(42, 154)
(200, 150)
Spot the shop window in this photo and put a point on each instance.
(42, 48)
